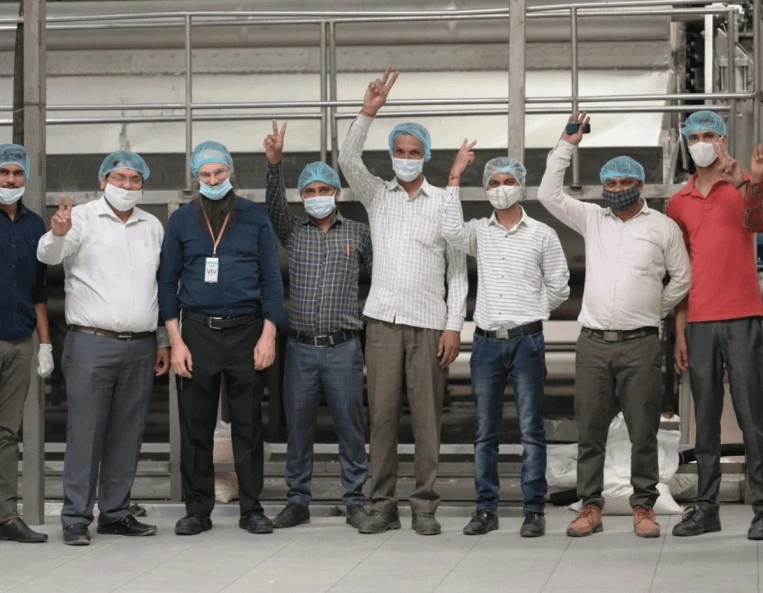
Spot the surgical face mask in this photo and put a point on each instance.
(320, 206)
(703, 154)
(122, 199)
(216, 192)
(504, 196)
(620, 201)
(407, 169)
(11, 195)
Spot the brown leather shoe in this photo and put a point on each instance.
(644, 522)
(587, 522)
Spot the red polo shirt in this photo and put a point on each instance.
(724, 276)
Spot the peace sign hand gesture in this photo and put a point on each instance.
(377, 91)
(756, 165)
(273, 144)
(464, 158)
(729, 168)
(61, 221)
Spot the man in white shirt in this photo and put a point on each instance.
(110, 252)
(522, 277)
(413, 328)
(629, 248)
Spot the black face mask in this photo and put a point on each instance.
(620, 201)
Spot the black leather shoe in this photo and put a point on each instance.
(291, 515)
(193, 525)
(425, 524)
(127, 525)
(481, 522)
(697, 521)
(534, 525)
(379, 522)
(77, 535)
(356, 516)
(756, 527)
(255, 522)
(18, 531)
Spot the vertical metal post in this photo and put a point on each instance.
(34, 141)
(757, 30)
(332, 96)
(731, 76)
(188, 102)
(574, 89)
(324, 92)
(517, 49)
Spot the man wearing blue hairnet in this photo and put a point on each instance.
(415, 309)
(522, 277)
(222, 322)
(719, 324)
(323, 353)
(23, 310)
(618, 357)
(110, 251)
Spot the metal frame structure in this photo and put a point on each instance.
(329, 110)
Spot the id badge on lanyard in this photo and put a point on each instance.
(212, 264)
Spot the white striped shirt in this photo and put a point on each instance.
(522, 272)
(413, 265)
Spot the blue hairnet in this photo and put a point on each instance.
(622, 166)
(210, 152)
(504, 164)
(417, 131)
(318, 171)
(15, 154)
(124, 159)
(704, 120)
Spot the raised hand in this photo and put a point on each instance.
(464, 158)
(377, 91)
(729, 168)
(61, 221)
(273, 144)
(756, 165)
(576, 118)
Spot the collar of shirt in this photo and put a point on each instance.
(690, 190)
(104, 209)
(338, 220)
(644, 210)
(425, 189)
(493, 221)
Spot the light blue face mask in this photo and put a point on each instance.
(216, 192)
(320, 206)
(11, 195)
(407, 169)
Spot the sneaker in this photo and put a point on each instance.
(482, 521)
(534, 525)
(644, 522)
(356, 516)
(698, 521)
(756, 527)
(379, 522)
(291, 515)
(193, 525)
(425, 524)
(128, 526)
(77, 535)
(587, 522)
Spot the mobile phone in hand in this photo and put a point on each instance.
(572, 128)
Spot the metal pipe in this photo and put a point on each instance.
(731, 74)
(324, 92)
(517, 48)
(188, 103)
(332, 97)
(757, 31)
(574, 90)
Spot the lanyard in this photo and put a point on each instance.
(220, 234)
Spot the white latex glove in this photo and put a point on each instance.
(45, 360)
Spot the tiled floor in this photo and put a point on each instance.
(328, 556)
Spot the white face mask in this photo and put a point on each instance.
(121, 199)
(407, 169)
(703, 154)
(11, 195)
(505, 196)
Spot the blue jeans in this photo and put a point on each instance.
(492, 362)
(336, 371)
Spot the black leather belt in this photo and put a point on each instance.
(106, 333)
(620, 335)
(220, 322)
(514, 332)
(322, 340)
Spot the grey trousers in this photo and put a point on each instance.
(391, 351)
(15, 366)
(108, 385)
(737, 345)
(611, 375)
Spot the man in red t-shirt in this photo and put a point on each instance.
(719, 324)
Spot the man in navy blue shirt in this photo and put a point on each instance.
(222, 322)
(23, 309)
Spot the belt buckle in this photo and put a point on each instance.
(502, 334)
(212, 319)
(124, 335)
(611, 336)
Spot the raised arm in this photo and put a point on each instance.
(62, 239)
(275, 194)
(457, 233)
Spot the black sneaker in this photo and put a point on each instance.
(698, 521)
(534, 525)
(482, 521)
(291, 515)
(193, 525)
(356, 516)
(127, 525)
(77, 535)
(379, 522)
(756, 527)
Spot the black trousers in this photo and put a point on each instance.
(219, 353)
